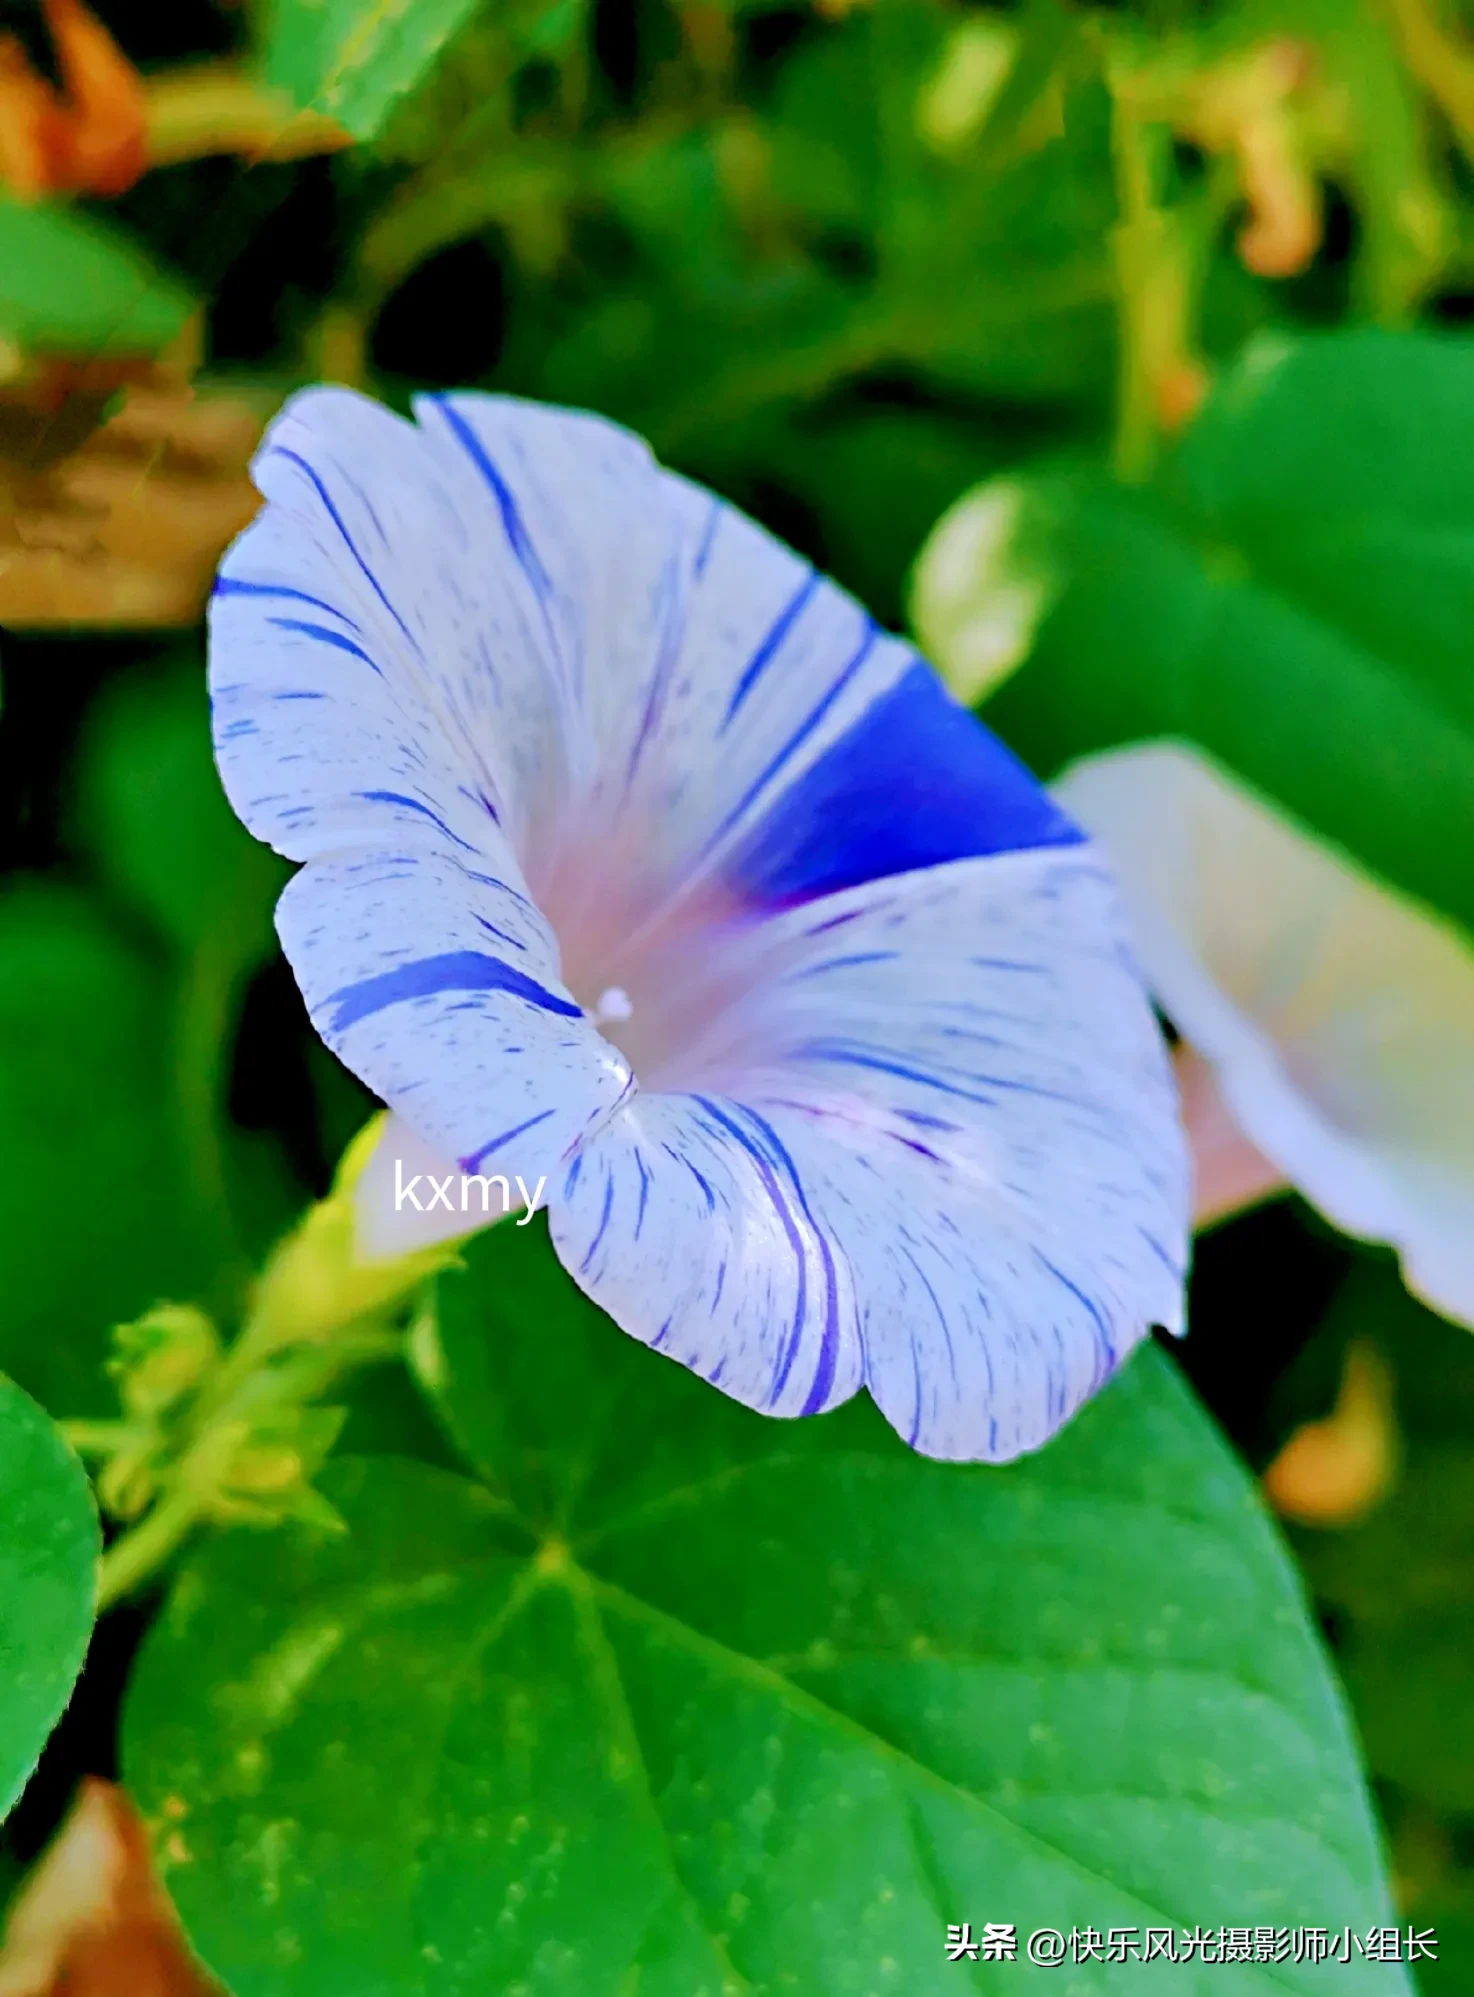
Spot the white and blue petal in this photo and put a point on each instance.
(360, 647)
(941, 1160)
(518, 607)
(688, 1222)
(439, 987)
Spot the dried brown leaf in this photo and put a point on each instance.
(125, 530)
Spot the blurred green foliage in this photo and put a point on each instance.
(1295, 592)
(1396, 1594)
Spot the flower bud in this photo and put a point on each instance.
(162, 1357)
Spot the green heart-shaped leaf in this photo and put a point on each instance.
(1295, 593)
(676, 1699)
(49, 1548)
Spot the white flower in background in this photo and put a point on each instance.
(1328, 1020)
(980, 589)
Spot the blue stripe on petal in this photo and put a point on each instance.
(763, 657)
(847, 963)
(709, 534)
(325, 637)
(918, 781)
(603, 1226)
(501, 935)
(413, 804)
(848, 1054)
(477, 1159)
(1160, 1252)
(239, 586)
(460, 971)
(1092, 1309)
(772, 1145)
(823, 1381)
(294, 457)
(844, 1055)
(797, 739)
(513, 524)
(779, 1202)
(672, 627)
(946, 1334)
(704, 1183)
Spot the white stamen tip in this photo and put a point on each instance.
(612, 1004)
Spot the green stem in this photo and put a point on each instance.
(205, 1017)
(316, 1315)
(1135, 247)
(144, 1548)
(100, 1438)
(213, 108)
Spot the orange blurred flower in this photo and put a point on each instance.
(89, 137)
(92, 1920)
(1250, 108)
(1336, 1471)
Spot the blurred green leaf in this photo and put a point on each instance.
(386, 1417)
(100, 1220)
(1448, 1976)
(1399, 1584)
(355, 59)
(155, 821)
(1295, 592)
(1395, 1592)
(49, 1549)
(1404, 1579)
(875, 481)
(73, 285)
(759, 258)
(991, 268)
(690, 1698)
(153, 818)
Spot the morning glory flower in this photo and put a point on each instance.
(637, 860)
(1328, 1020)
